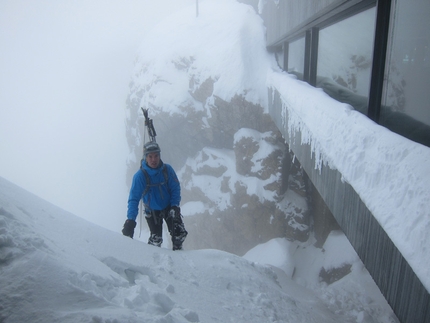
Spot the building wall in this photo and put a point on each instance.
(375, 56)
(397, 281)
(372, 55)
(299, 14)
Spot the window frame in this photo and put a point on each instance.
(346, 10)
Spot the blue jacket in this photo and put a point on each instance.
(159, 194)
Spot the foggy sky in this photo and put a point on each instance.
(64, 73)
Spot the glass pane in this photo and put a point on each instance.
(280, 56)
(296, 57)
(406, 98)
(345, 54)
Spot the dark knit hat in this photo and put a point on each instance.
(151, 147)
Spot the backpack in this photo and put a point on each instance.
(148, 179)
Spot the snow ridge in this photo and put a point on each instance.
(56, 267)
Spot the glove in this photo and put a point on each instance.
(128, 229)
(174, 212)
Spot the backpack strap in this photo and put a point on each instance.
(165, 173)
(148, 179)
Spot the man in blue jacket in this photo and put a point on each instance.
(157, 184)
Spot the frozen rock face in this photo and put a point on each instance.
(236, 198)
(183, 134)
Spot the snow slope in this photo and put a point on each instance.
(57, 267)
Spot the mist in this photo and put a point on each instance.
(64, 73)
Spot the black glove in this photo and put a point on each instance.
(128, 229)
(175, 211)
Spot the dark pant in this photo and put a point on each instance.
(175, 225)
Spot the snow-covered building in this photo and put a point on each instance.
(357, 117)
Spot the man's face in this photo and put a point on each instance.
(153, 160)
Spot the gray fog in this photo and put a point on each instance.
(64, 73)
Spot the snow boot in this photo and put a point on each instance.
(179, 235)
(155, 240)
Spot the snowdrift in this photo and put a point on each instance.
(56, 267)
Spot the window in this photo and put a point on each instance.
(405, 102)
(279, 53)
(345, 52)
(296, 54)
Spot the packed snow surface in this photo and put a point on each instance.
(57, 267)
